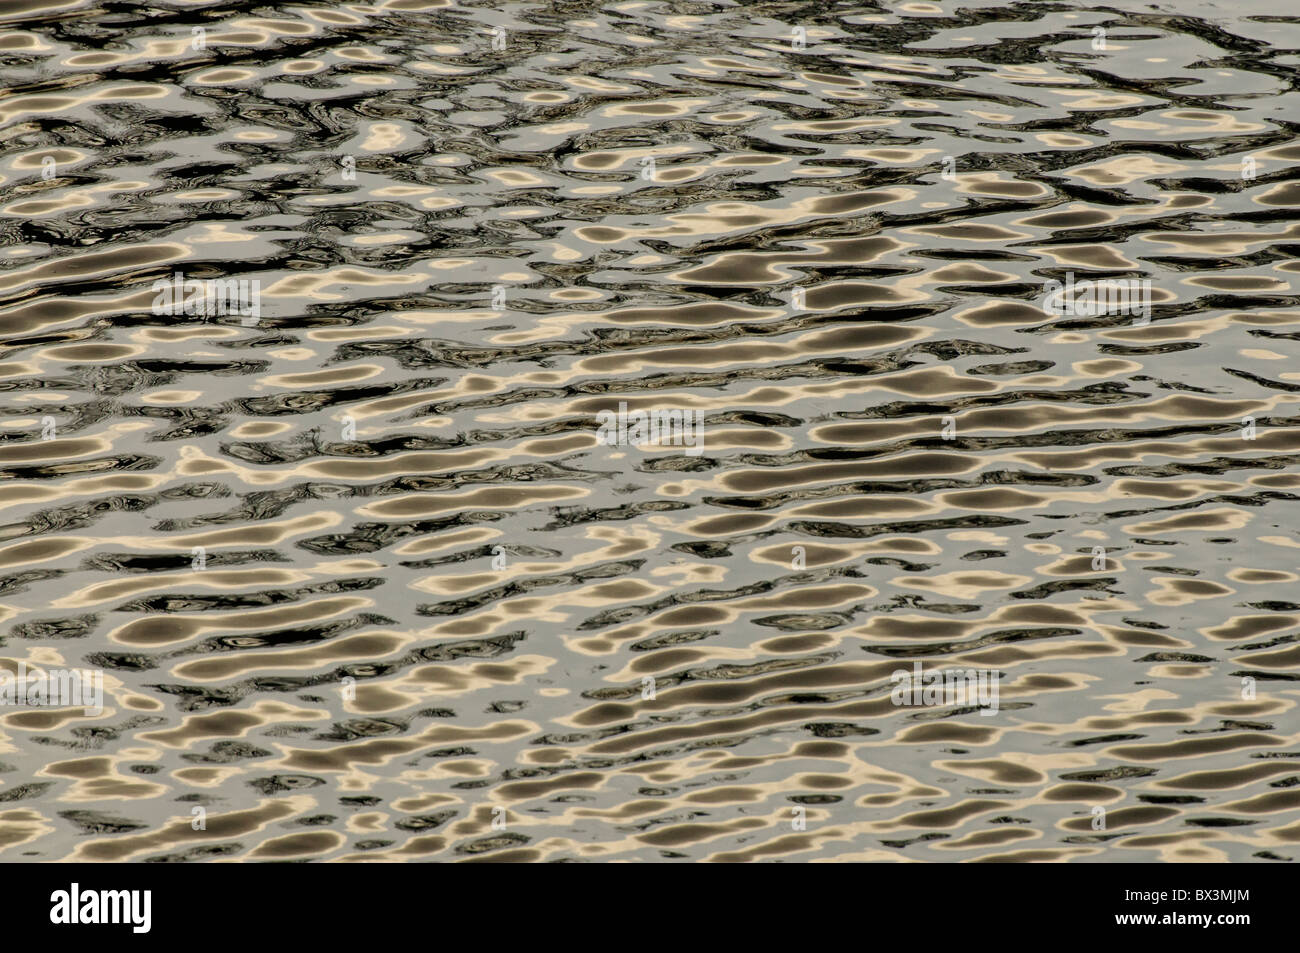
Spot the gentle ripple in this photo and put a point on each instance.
(428, 596)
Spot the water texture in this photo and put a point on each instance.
(364, 584)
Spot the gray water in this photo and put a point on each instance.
(362, 580)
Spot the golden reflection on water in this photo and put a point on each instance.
(365, 582)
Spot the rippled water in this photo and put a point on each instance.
(364, 584)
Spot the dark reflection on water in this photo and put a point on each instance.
(365, 583)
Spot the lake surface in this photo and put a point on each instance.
(967, 330)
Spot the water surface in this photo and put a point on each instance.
(364, 585)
